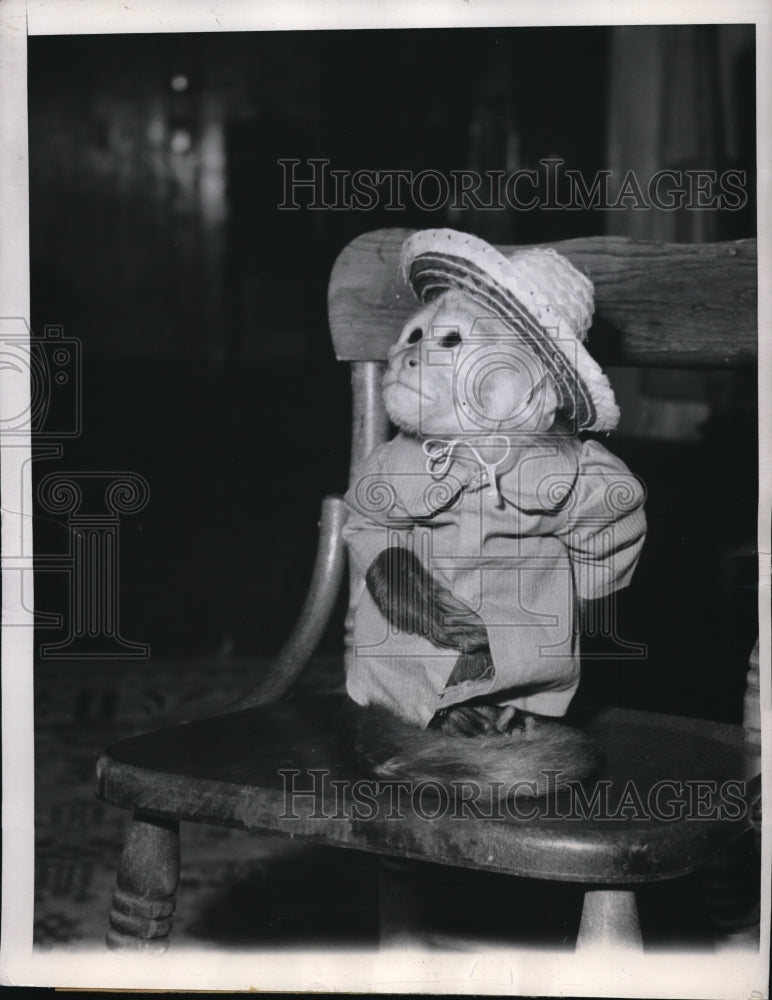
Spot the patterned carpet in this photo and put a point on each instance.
(238, 889)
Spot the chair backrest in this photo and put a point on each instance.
(656, 305)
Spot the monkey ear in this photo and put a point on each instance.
(500, 393)
(508, 402)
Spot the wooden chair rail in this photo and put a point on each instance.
(657, 304)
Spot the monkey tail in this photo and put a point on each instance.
(543, 756)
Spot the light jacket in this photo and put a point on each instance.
(556, 519)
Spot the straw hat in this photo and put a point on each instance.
(540, 296)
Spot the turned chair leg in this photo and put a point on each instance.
(609, 919)
(143, 902)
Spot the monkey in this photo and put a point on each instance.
(485, 524)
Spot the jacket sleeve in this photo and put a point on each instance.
(605, 524)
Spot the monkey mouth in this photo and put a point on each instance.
(398, 383)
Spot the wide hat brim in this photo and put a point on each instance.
(434, 260)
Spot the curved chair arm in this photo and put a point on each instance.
(314, 616)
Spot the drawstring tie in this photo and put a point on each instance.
(440, 453)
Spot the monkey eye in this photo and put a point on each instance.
(415, 335)
(450, 339)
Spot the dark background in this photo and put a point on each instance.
(200, 308)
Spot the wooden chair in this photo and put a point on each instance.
(690, 305)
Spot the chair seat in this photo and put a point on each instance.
(625, 826)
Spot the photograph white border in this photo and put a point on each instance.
(741, 974)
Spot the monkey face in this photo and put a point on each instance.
(457, 369)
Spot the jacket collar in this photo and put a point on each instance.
(536, 474)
